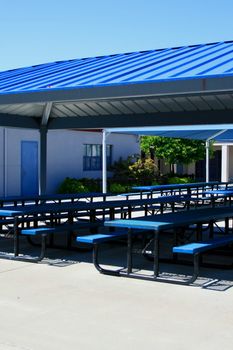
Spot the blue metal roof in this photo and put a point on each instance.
(187, 62)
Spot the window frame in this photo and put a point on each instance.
(94, 163)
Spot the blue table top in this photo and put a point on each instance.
(219, 192)
(79, 206)
(56, 196)
(170, 220)
(177, 186)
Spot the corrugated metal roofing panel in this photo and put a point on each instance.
(226, 100)
(124, 106)
(35, 110)
(109, 107)
(187, 62)
(199, 102)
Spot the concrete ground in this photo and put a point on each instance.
(64, 303)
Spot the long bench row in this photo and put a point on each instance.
(156, 223)
(146, 190)
(20, 218)
(195, 188)
(56, 198)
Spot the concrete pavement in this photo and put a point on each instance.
(51, 306)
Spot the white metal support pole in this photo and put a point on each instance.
(207, 146)
(207, 149)
(225, 163)
(104, 162)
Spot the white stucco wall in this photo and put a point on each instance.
(2, 151)
(66, 150)
(65, 155)
(231, 162)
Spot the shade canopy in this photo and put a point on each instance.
(175, 86)
(217, 132)
(171, 86)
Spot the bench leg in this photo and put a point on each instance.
(129, 252)
(28, 259)
(16, 237)
(196, 268)
(97, 265)
(155, 276)
(42, 252)
(156, 254)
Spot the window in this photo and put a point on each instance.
(92, 159)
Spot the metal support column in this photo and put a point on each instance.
(43, 159)
(43, 147)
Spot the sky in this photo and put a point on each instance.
(40, 31)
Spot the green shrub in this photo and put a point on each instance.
(154, 183)
(118, 188)
(93, 185)
(179, 180)
(72, 185)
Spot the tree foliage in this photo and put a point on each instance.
(173, 150)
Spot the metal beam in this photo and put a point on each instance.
(139, 120)
(46, 113)
(43, 147)
(159, 88)
(43, 159)
(19, 121)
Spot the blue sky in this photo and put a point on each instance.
(40, 31)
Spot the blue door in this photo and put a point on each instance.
(29, 168)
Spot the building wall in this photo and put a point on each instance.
(66, 149)
(65, 155)
(2, 171)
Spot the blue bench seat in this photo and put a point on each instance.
(46, 230)
(200, 247)
(96, 240)
(100, 237)
(196, 248)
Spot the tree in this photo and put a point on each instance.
(173, 150)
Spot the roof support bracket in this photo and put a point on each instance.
(46, 113)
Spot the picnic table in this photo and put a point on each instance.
(189, 188)
(170, 221)
(217, 195)
(26, 219)
(56, 198)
